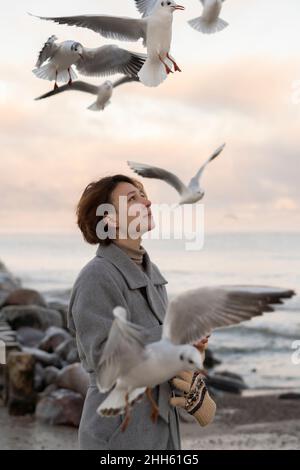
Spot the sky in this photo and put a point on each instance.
(239, 86)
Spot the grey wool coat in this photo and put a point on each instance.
(110, 279)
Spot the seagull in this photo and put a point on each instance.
(188, 194)
(60, 59)
(155, 30)
(209, 22)
(104, 60)
(133, 367)
(103, 92)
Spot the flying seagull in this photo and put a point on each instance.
(155, 30)
(133, 367)
(209, 22)
(103, 92)
(188, 194)
(104, 60)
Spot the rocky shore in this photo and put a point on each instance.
(43, 386)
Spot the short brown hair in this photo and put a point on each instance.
(95, 194)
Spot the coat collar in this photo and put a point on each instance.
(132, 273)
(136, 278)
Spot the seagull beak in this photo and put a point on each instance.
(178, 7)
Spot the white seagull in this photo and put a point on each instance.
(103, 92)
(133, 367)
(104, 60)
(188, 194)
(209, 22)
(155, 30)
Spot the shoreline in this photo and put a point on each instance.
(241, 423)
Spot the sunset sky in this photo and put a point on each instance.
(236, 87)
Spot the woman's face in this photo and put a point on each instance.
(133, 210)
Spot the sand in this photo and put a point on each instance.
(252, 423)
(241, 423)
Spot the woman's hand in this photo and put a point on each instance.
(195, 398)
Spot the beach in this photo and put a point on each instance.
(259, 352)
(241, 423)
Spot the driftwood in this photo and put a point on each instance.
(8, 338)
(21, 394)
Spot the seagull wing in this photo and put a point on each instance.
(194, 183)
(194, 314)
(78, 85)
(112, 27)
(124, 348)
(109, 60)
(124, 80)
(145, 7)
(47, 51)
(158, 173)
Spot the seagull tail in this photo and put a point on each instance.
(201, 25)
(115, 403)
(153, 73)
(48, 72)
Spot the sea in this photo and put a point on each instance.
(264, 351)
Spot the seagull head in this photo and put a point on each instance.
(200, 195)
(168, 6)
(190, 358)
(77, 48)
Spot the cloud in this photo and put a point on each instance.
(286, 203)
(51, 150)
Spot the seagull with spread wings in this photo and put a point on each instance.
(103, 92)
(58, 59)
(130, 367)
(188, 194)
(155, 29)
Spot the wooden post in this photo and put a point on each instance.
(8, 337)
(21, 394)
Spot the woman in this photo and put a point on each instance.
(122, 274)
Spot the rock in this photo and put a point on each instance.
(233, 376)
(39, 377)
(30, 315)
(8, 282)
(25, 297)
(289, 396)
(53, 338)
(3, 297)
(8, 336)
(72, 377)
(21, 394)
(60, 407)
(68, 351)
(48, 389)
(72, 356)
(30, 337)
(63, 310)
(227, 382)
(43, 357)
(210, 360)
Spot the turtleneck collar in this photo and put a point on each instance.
(135, 254)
